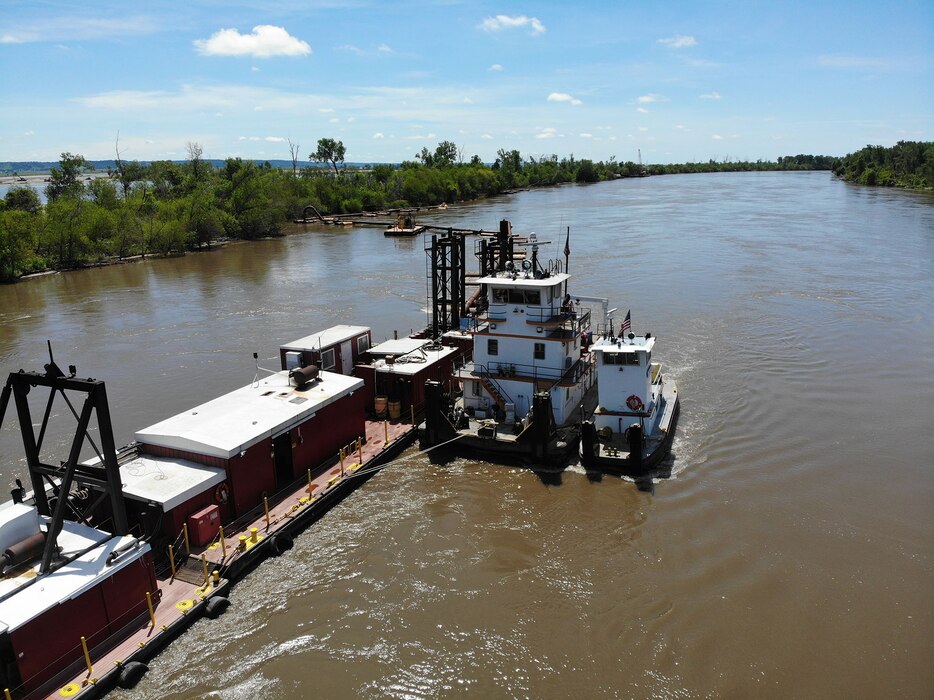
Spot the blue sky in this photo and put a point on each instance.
(679, 80)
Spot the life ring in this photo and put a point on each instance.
(634, 403)
(222, 492)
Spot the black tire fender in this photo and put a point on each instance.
(131, 674)
(281, 543)
(215, 606)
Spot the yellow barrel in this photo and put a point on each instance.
(395, 409)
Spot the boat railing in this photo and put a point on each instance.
(486, 373)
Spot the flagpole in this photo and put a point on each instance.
(567, 255)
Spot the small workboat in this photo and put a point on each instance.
(405, 226)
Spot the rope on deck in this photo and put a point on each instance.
(371, 470)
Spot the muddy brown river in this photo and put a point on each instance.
(789, 555)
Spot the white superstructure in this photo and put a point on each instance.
(528, 341)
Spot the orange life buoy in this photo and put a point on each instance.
(222, 492)
(634, 403)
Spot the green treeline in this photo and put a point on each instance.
(906, 164)
(168, 207)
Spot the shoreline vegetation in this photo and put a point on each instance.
(166, 208)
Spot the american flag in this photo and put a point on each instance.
(627, 325)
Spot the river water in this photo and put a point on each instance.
(789, 555)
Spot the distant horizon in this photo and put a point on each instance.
(680, 82)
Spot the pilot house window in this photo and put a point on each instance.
(620, 358)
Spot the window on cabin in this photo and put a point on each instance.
(533, 297)
(475, 388)
(363, 344)
(492, 346)
(620, 358)
(500, 295)
(539, 352)
(530, 297)
(328, 360)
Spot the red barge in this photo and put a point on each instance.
(105, 560)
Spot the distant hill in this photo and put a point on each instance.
(25, 167)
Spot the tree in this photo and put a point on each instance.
(17, 238)
(195, 151)
(329, 151)
(294, 151)
(446, 154)
(23, 198)
(64, 181)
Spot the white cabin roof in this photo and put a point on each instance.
(505, 279)
(414, 362)
(335, 335)
(67, 582)
(167, 481)
(233, 422)
(618, 345)
(400, 346)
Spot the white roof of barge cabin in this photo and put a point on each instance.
(505, 279)
(235, 421)
(335, 335)
(624, 344)
(414, 362)
(167, 481)
(65, 583)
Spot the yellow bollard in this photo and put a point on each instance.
(342, 461)
(359, 452)
(386, 430)
(204, 563)
(242, 543)
(310, 487)
(266, 506)
(6, 694)
(216, 575)
(87, 656)
(152, 614)
(220, 533)
(253, 532)
(172, 561)
(187, 545)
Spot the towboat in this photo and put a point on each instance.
(531, 375)
(631, 429)
(103, 561)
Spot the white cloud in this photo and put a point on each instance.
(254, 69)
(384, 48)
(496, 68)
(648, 99)
(710, 96)
(586, 136)
(642, 109)
(468, 101)
(378, 135)
(72, 28)
(487, 137)
(547, 133)
(678, 42)
(275, 139)
(500, 22)
(717, 137)
(265, 41)
(334, 120)
(563, 97)
(643, 128)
